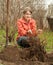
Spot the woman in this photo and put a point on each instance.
(26, 27)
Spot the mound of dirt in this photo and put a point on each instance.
(12, 54)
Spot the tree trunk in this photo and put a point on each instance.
(7, 23)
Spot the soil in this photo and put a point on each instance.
(11, 55)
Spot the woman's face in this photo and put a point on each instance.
(27, 15)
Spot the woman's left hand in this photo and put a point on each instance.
(39, 31)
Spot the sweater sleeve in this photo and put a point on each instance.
(20, 28)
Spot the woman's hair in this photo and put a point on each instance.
(27, 9)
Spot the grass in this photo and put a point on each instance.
(47, 35)
(2, 34)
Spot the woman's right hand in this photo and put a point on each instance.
(29, 33)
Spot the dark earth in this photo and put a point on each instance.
(11, 56)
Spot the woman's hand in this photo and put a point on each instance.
(29, 33)
(39, 31)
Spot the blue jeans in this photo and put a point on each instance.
(22, 41)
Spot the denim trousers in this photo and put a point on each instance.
(22, 41)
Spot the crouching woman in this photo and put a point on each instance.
(26, 27)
